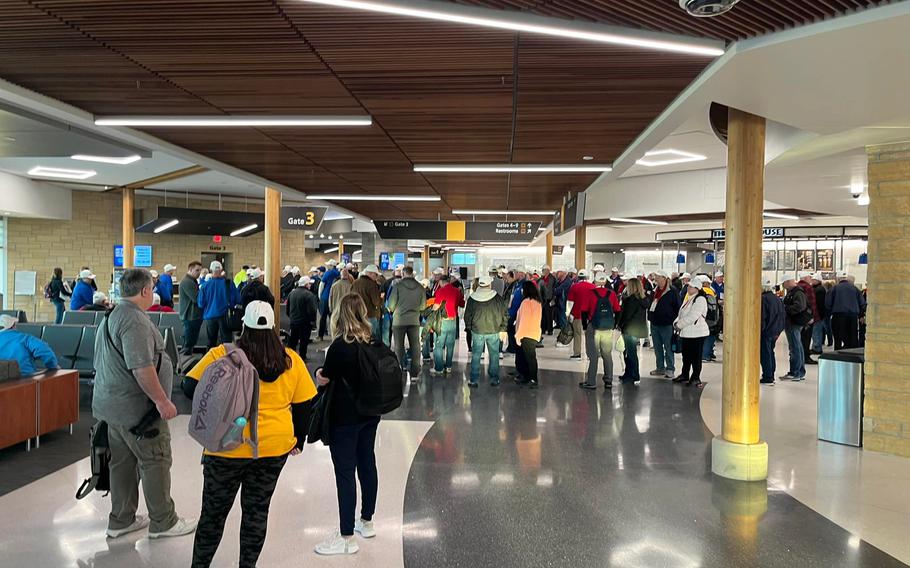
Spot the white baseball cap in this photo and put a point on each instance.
(154, 273)
(169, 267)
(686, 275)
(259, 315)
(425, 283)
(314, 269)
(719, 275)
(295, 270)
(572, 270)
(439, 270)
(305, 281)
(371, 268)
(215, 265)
(86, 274)
(600, 276)
(545, 267)
(98, 297)
(598, 268)
(701, 280)
(614, 269)
(288, 268)
(583, 273)
(662, 274)
(255, 273)
(484, 281)
(331, 262)
(349, 266)
(7, 322)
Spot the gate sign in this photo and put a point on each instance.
(301, 218)
(767, 233)
(408, 229)
(521, 231)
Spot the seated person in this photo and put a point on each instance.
(157, 307)
(99, 304)
(24, 348)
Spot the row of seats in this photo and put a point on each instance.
(95, 317)
(20, 314)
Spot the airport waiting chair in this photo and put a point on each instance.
(170, 347)
(64, 340)
(155, 317)
(99, 317)
(79, 318)
(170, 320)
(36, 329)
(176, 330)
(20, 314)
(203, 342)
(84, 361)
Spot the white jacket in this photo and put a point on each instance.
(691, 320)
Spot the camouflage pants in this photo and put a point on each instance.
(222, 478)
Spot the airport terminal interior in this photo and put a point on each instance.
(628, 278)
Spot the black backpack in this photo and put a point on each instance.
(712, 318)
(101, 460)
(603, 316)
(381, 388)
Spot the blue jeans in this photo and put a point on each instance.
(797, 357)
(60, 306)
(190, 335)
(768, 362)
(709, 347)
(561, 319)
(376, 326)
(663, 348)
(631, 357)
(818, 336)
(444, 340)
(386, 329)
(491, 341)
(323, 318)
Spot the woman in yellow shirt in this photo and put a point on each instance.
(284, 386)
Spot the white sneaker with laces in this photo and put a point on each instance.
(365, 528)
(181, 527)
(337, 544)
(140, 523)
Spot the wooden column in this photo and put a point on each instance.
(273, 247)
(426, 261)
(581, 239)
(550, 249)
(129, 230)
(340, 250)
(738, 453)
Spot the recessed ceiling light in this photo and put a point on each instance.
(9, 138)
(368, 197)
(166, 226)
(499, 212)
(857, 187)
(779, 215)
(107, 159)
(311, 236)
(511, 168)
(639, 221)
(680, 158)
(321, 236)
(529, 23)
(236, 120)
(863, 199)
(242, 230)
(587, 158)
(43, 171)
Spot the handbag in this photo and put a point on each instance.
(317, 423)
(566, 335)
(619, 344)
(675, 342)
(100, 455)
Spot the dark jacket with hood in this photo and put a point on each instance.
(406, 300)
(254, 291)
(773, 316)
(795, 304)
(485, 313)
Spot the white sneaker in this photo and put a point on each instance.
(140, 523)
(365, 528)
(181, 527)
(337, 544)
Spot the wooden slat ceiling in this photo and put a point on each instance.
(437, 92)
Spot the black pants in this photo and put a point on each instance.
(510, 330)
(190, 335)
(300, 334)
(805, 337)
(692, 348)
(219, 331)
(323, 319)
(846, 331)
(352, 451)
(546, 323)
(526, 359)
(222, 477)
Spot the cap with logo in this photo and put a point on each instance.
(259, 315)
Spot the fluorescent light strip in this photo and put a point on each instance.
(43, 171)
(166, 226)
(512, 168)
(499, 212)
(528, 23)
(367, 197)
(780, 216)
(328, 250)
(107, 159)
(684, 157)
(242, 230)
(236, 120)
(639, 221)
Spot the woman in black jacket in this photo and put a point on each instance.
(633, 325)
(352, 436)
(57, 291)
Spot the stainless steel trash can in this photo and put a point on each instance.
(840, 396)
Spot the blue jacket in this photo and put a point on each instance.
(82, 296)
(666, 309)
(328, 279)
(561, 290)
(25, 348)
(773, 316)
(718, 289)
(845, 299)
(517, 297)
(216, 297)
(165, 288)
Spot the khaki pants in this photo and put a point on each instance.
(148, 460)
(579, 337)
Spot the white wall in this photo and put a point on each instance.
(22, 197)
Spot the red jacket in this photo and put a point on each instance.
(453, 297)
(584, 300)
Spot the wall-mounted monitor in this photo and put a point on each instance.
(142, 256)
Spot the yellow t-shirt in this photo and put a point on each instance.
(276, 429)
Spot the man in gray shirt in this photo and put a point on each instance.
(190, 312)
(134, 375)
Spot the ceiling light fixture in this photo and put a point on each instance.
(780, 215)
(681, 158)
(332, 249)
(587, 158)
(511, 168)
(857, 188)
(367, 197)
(242, 230)
(519, 22)
(863, 199)
(43, 171)
(235, 120)
(639, 221)
(166, 226)
(499, 212)
(107, 159)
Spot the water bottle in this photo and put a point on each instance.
(235, 433)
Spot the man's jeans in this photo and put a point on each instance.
(385, 325)
(191, 330)
(323, 317)
(663, 348)
(797, 357)
(818, 336)
(445, 340)
(709, 347)
(491, 341)
(219, 331)
(768, 362)
(599, 345)
(561, 319)
(412, 332)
